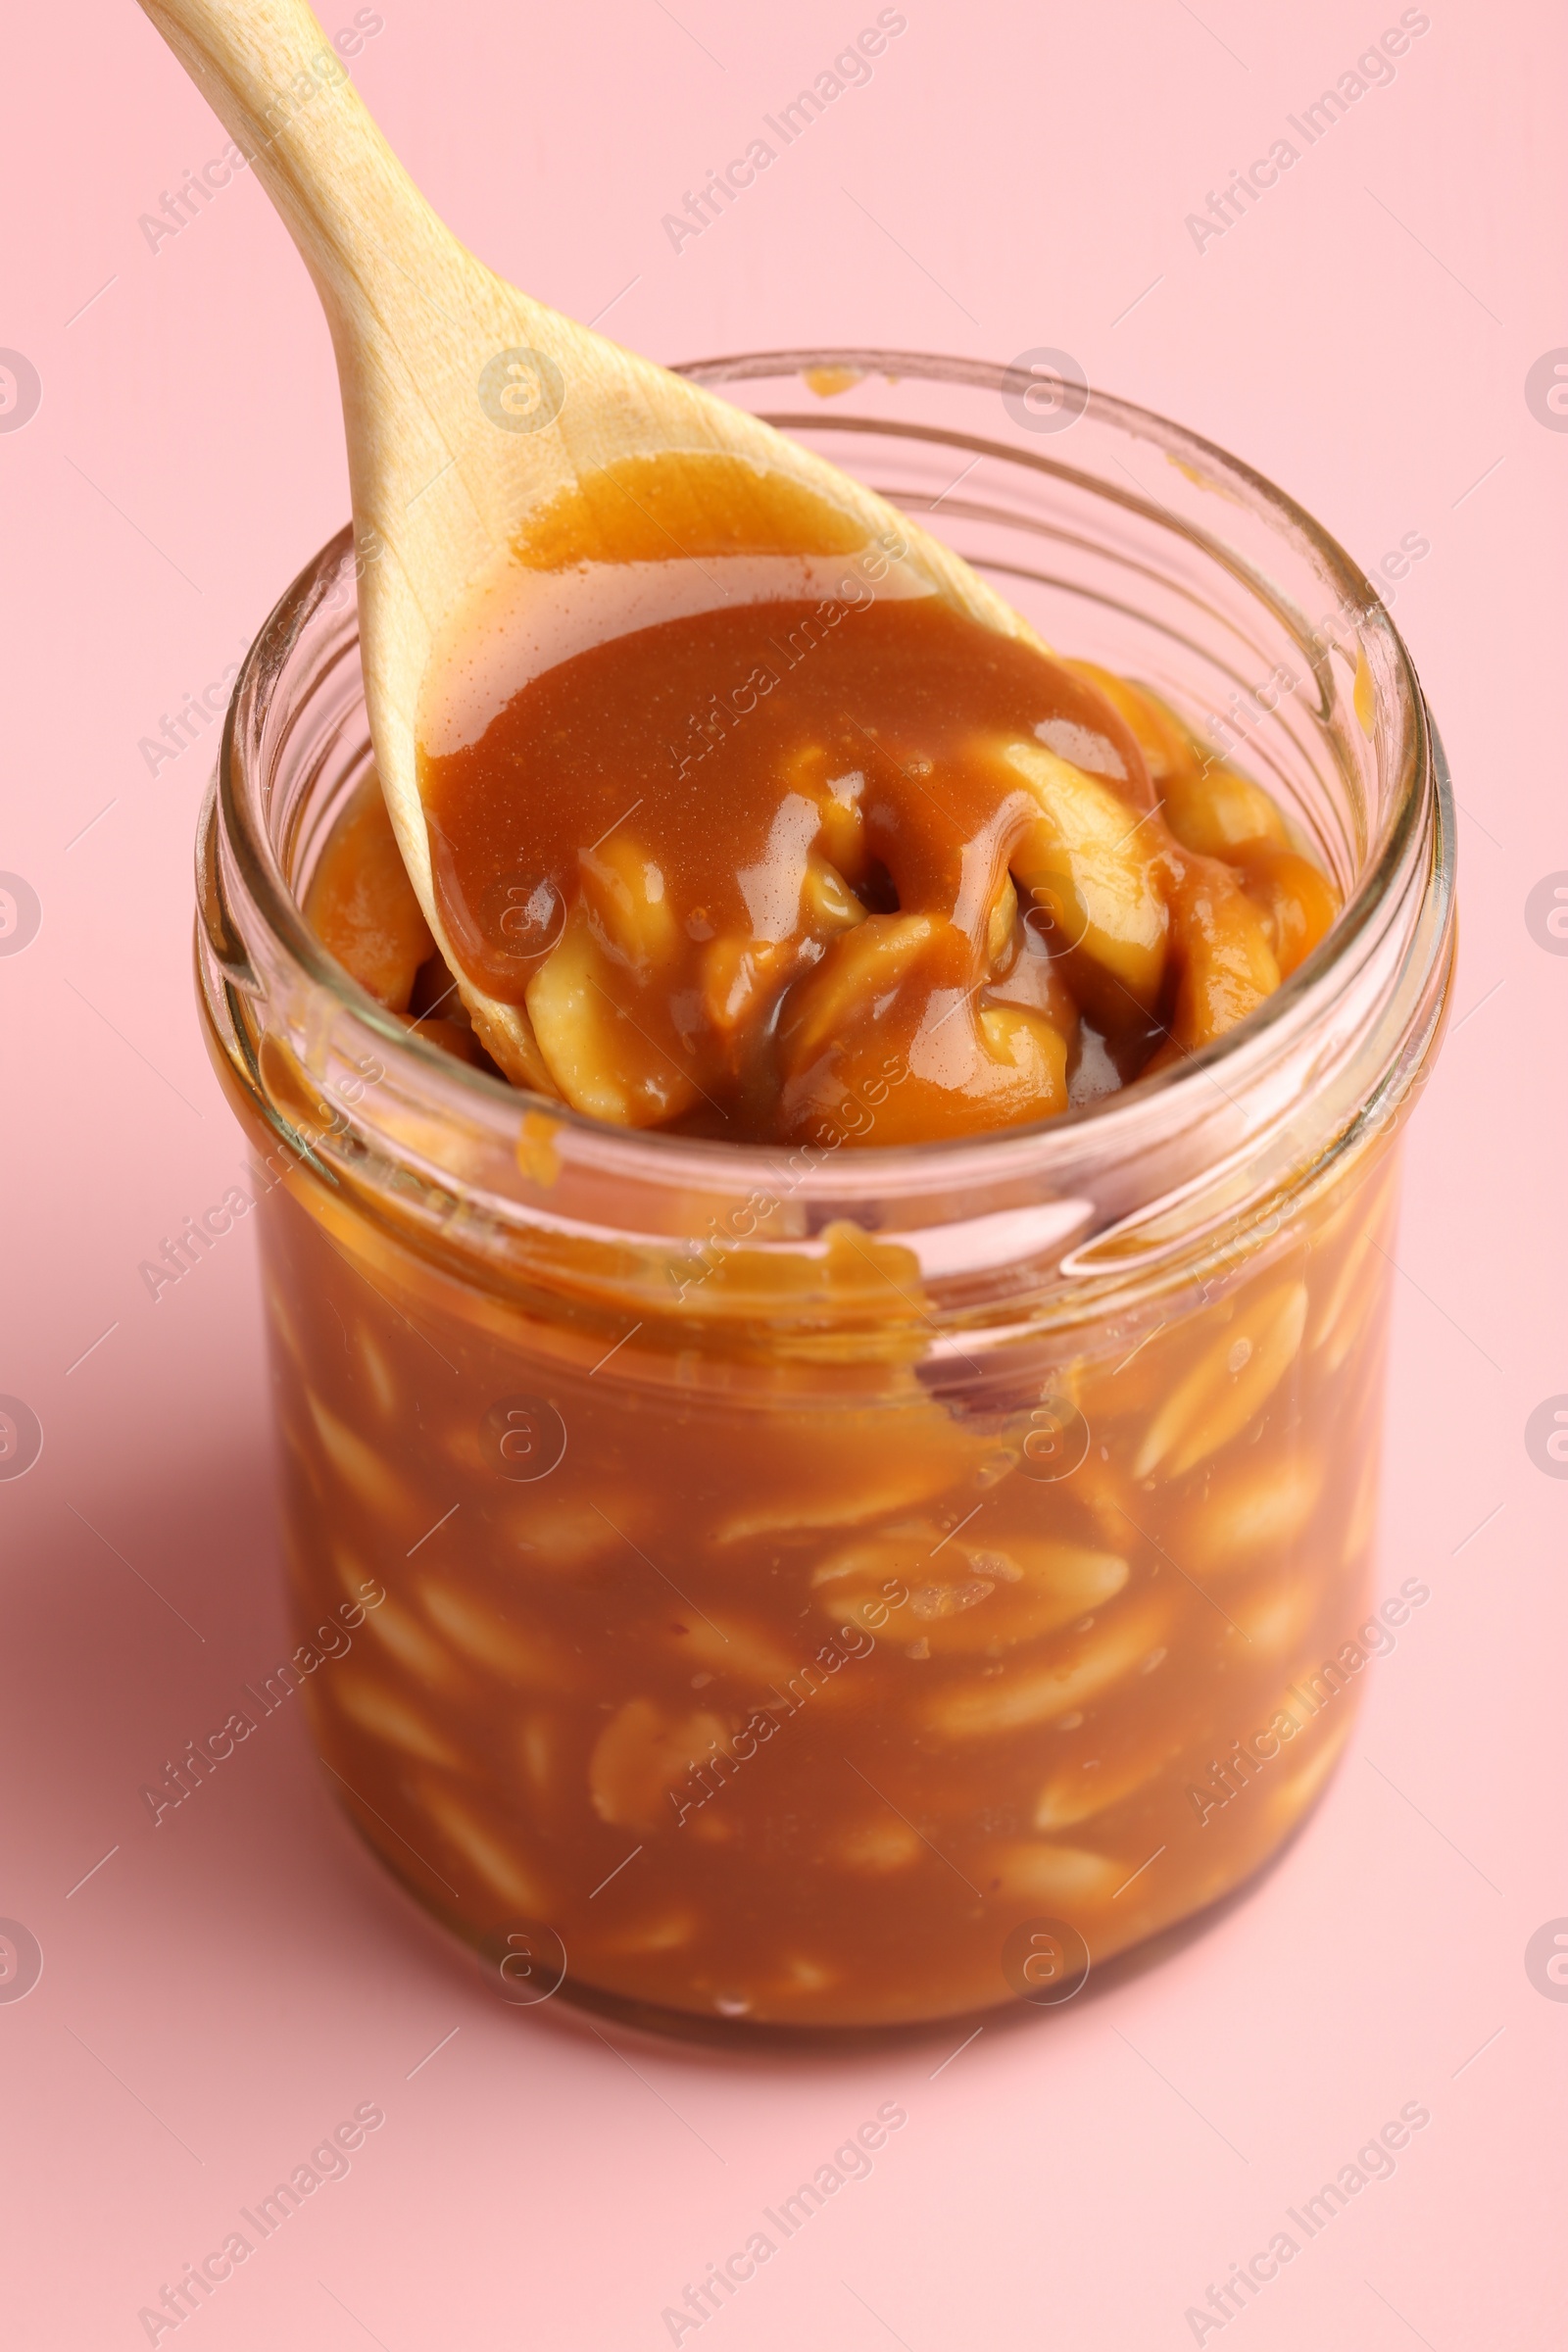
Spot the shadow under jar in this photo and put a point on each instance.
(839, 1586)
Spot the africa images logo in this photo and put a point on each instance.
(850, 69)
(1373, 71)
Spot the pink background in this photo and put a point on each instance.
(224, 1989)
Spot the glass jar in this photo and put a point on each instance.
(838, 1588)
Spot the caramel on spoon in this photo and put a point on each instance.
(481, 422)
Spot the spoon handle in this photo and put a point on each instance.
(275, 81)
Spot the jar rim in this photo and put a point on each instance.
(1045, 1149)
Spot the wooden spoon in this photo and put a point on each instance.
(468, 408)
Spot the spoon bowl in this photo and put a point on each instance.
(484, 427)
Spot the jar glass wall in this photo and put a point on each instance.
(841, 1586)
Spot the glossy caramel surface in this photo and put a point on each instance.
(776, 838)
